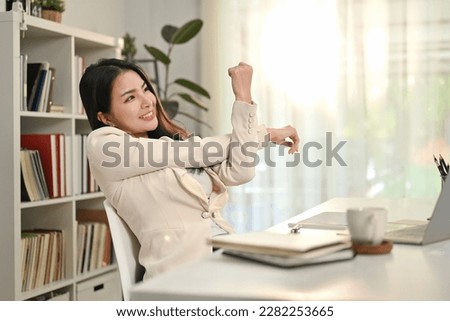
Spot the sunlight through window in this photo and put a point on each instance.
(299, 49)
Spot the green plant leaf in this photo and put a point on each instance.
(187, 32)
(192, 86)
(192, 100)
(158, 54)
(167, 32)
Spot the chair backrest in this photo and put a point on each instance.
(126, 248)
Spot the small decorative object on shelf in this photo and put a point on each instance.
(52, 9)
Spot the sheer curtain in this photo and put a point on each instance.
(365, 82)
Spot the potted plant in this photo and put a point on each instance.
(129, 47)
(177, 36)
(52, 9)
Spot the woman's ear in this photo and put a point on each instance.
(104, 119)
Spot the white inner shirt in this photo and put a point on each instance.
(205, 180)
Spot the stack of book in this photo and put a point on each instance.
(94, 243)
(42, 258)
(286, 250)
(53, 172)
(32, 178)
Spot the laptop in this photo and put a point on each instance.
(405, 231)
(437, 228)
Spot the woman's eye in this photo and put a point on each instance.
(129, 98)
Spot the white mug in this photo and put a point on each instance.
(367, 225)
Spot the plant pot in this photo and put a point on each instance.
(171, 108)
(52, 15)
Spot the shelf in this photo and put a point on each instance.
(91, 274)
(80, 117)
(60, 200)
(61, 46)
(88, 196)
(45, 289)
(46, 202)
(34, 114)
(42, 28)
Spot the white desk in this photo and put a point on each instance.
(408, 273)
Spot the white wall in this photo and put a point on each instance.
(102, 16)
(144, 19)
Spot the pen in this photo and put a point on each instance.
(444, 166)
(441, 165)
(295, 228)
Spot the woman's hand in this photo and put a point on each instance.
(286, 136)
(241, 82)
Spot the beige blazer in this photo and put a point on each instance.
(167, 209)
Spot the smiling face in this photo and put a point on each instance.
(133, 106)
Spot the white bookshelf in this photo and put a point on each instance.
(43, 40)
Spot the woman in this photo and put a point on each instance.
(169, 187)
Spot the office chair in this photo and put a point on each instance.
(126, 248)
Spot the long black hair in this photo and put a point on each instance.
(95, 91)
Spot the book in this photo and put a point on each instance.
(23, 81)
(283, 244)
(26, 168)
(287, 250)
(334, 253)
(32, 74)
(36, 99)
(42, 259)
(49, 90)
(39, 175)
(80, 65)
(68, 164)
(81, 241)
(43, 90)
(50, 256)
(62, 166)
(84, 165)
(88, 247)
(33, 184)
(26, 240)
(24, 196)
(96, 226)
(60, 262)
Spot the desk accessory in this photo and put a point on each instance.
(288, 249)
(384, 248)
(442, 167)
(422, 232)
(367, 225)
